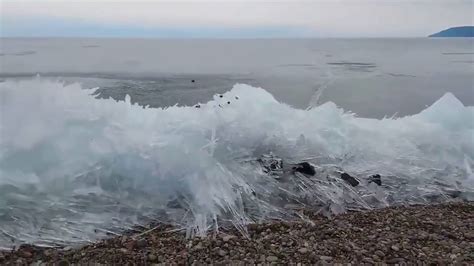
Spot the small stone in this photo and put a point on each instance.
(380, 253)
(142, 243)
(152, 257)
(325, 258)
(222, 252)
(198, 246)
(68, 248)
(48, 252)
(272, 258)
(124, 250)
(26, 254)
(395, 248)
(130, 245)
(455, 249)
(368, 260)
(469, 235)
(227, 238)
(303, 250)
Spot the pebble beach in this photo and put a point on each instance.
(441, 234)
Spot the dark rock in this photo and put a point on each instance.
(221, 96)
(197, 106)
(377, 179)
(454, 193)
(193, 81)
(305, 168)
(350, 179)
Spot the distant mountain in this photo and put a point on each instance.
(466, 31)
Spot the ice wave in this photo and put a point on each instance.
(73, 167)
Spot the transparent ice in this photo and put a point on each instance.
(74, 168)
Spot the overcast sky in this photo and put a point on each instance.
(232, 18)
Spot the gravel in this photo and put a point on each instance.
(441, 234)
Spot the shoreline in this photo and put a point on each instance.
(438, 233)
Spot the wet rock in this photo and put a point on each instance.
(350, 179)
(305, 168)
(377, 179)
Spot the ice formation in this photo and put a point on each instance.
(73, 167)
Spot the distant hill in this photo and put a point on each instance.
(466, 31)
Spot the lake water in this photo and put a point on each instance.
(371, 77)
